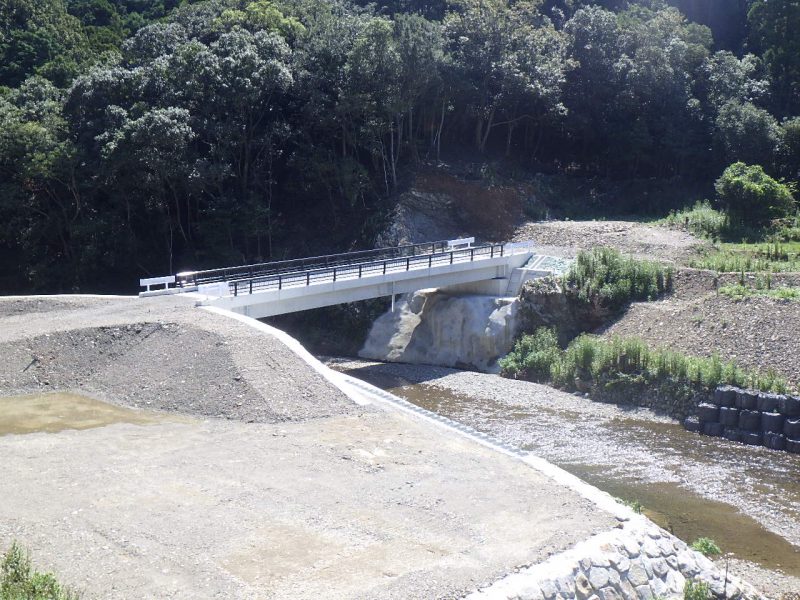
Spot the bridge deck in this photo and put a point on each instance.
(359, 270)
(301, 265)
(289, 286)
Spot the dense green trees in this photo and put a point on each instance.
(752, 196)
(149, 136)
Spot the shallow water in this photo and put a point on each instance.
(57, 411)
(746, 499)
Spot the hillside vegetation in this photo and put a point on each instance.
(150, 136)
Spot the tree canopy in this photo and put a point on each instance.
(150, 136)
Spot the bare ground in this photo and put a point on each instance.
(756, 332)
(319, 498)
(567, 238)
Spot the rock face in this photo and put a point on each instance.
(437, 328)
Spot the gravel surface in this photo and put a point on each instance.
(630, 452)
(320, 498)
(567, 238)
(159, 353)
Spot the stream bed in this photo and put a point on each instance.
(747, 499)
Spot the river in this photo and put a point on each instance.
(747, 499)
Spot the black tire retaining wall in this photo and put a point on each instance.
(750, 417)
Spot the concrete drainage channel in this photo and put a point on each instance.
(635, 561)
(753, 418)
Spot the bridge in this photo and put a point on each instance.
(274, 288)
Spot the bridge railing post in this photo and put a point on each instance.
(235, 288)
(251, 285)
(359, 271)
(334, 274)
(408, 264)
(308, 278)
(471, 254)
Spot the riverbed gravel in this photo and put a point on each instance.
(750, 496)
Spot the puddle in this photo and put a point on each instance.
(58, 411)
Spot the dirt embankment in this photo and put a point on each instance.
(164, 354)
(755, 332)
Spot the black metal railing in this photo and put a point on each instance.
(357, 270)
(249, 272)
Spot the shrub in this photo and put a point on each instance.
(702, 220)
(533, 355)
(750, 194)
(19, 581)
(696, 590)
(605, 278)
(706, 546)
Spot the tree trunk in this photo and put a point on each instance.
(439, 133)
(482, 145)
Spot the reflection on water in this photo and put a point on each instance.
(57, 411)
(688, 484)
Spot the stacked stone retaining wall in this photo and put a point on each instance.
(750, 417)
(638, 561)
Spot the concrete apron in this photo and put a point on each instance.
(637, 560)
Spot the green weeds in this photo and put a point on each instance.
(749, 258)
(706, 546)
(19, 581)
(591, 359)
(696, 590)
(605, 278)
(634, 505)
(739, 292)
(702, 220)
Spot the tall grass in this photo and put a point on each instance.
(751, 258)
(590, 358)
(702, 220)
(19, 580)
(739, 292)
(604, 277)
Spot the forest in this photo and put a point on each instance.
(141, 137)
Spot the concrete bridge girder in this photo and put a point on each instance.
(487, 274)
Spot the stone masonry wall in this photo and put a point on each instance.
(637, 561)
